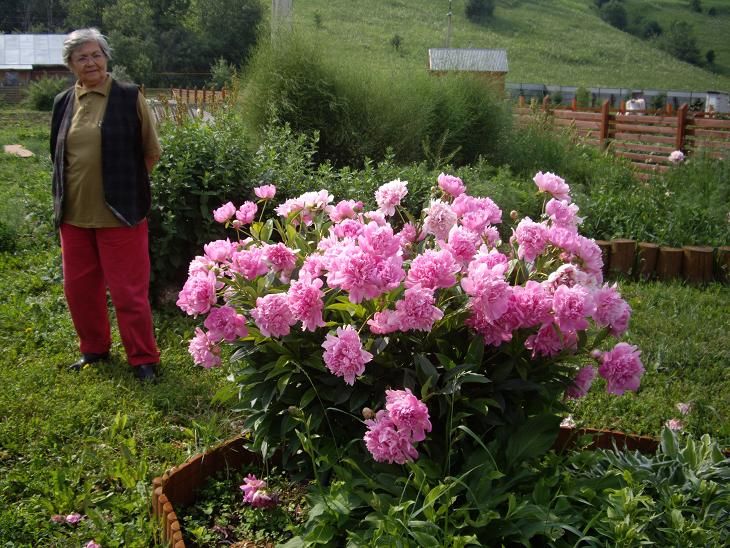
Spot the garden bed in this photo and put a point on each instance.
(179, 485)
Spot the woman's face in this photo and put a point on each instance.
(88, 63)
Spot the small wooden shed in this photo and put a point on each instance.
(28, 57)
(489, 64)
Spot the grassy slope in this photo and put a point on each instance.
(557, 42)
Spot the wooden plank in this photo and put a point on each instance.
(710, 144)
(577, 124)
(621, 145)
(644, 137)
(710, 123)
(647, 158)
(641, 128)
(641, 119)
(569, 114)
(724, 135)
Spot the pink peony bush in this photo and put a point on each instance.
(432, 322)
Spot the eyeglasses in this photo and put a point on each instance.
(96, 56)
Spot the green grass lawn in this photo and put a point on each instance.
(91, 442)
(558, 42)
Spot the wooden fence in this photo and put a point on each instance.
(645, 139)
(182, 103)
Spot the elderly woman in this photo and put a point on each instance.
(103, 146)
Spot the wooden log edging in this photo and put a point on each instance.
(625, 258)
(178, 486)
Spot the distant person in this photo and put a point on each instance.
(103, 146)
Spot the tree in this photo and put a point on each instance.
(679, 40)
(695, 5)
(614, 13)
(478, 10)
(710, 56)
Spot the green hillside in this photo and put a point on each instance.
(561, 42)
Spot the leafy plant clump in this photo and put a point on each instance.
(406, 355)
(42, 92)
(221, 515)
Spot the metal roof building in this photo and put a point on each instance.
(25, 51)
(467, 60)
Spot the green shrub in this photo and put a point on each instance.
(361, 112)
(42, 92)
(202, 167)
(478, 10)
(583, 97)
(614, 13)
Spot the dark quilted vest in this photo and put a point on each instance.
(126, 182)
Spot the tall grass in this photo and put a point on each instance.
(361, 111)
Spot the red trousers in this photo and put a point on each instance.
(95, 259)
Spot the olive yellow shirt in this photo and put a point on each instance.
(83, 199)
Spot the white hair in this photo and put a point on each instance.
(79, 38)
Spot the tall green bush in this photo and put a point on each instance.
(362, 112)
(202, 166)
(42, 92)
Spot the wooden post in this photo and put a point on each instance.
(521, 101)
(623, 253)
(622, 107)
(574, 104)
(669, 263)
(648, 254)
(604, 123)
(669, 108)
(697, 264)
(546, 103)
(223, 93)
(681, 126)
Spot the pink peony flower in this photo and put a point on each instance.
(390, 195)
(386, 443)
(451, 185)
(348, 228)
(675, 425)
(385, 322)
(363, 275)
(582, 383)
(224, 323)
(416, 310)
(676, 157)
(462, 244)
(476, 213)
(572, 305)
(204, 350)
(272, 315)
(246, 213)
(92, 544)
(198, 294)
(684, 408)
(489, 292)
(622, 368)
(563, 213)
(265, 192)
(219, 250)
(281, 259)
(249, 263)
(408, 413)
(255, 493)
(305, 302)
(439, 219)
(224, 212)
(344, 355)
(534, 303)
(433, 269)
(549, 341)
(532, 238)
(611, 310)
(552, 184)
(346, 209)
(74, 518)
